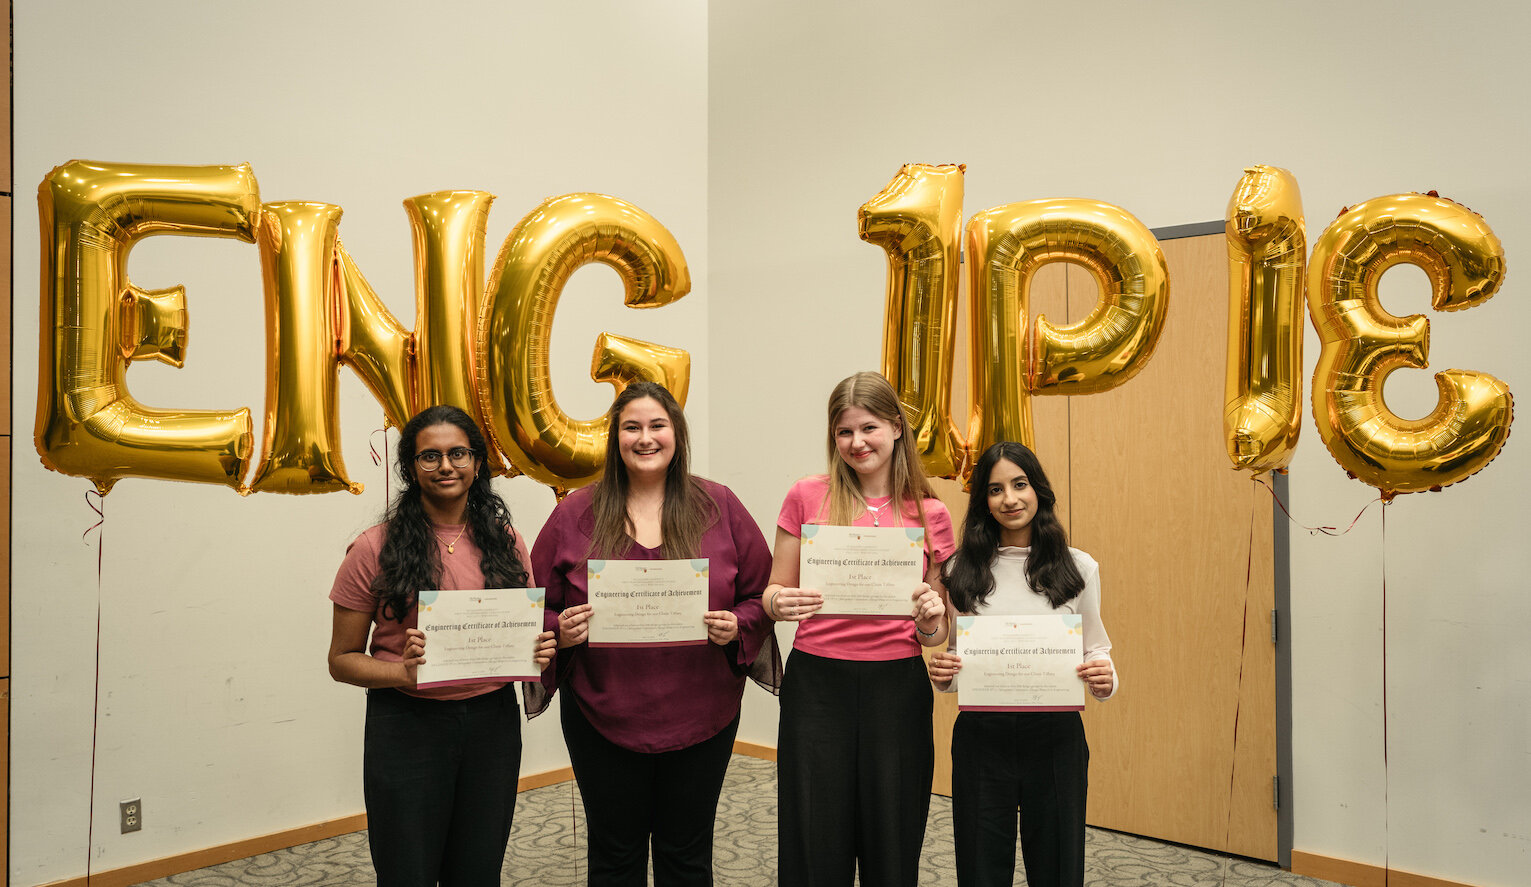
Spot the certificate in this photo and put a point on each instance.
(1020, 663)
(483, 635)
(867, 572)
(647, 603)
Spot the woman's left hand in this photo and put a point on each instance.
(722, 626)
(547, 645)
(1099, 676)
(929, 611)
(574, 626)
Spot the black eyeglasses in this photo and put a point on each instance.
(430, 460)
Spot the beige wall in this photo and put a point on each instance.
(1157, 108)
(753, 131)
(215, 706)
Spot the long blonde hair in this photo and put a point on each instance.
(871, 392)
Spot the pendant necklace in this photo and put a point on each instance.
(876, 511)
(452, 546)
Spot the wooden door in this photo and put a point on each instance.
(1186, 752)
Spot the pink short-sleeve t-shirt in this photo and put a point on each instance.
(459, 570)
(862, 639)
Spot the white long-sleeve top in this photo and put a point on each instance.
(1012, 596)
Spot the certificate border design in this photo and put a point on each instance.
(1072, 621)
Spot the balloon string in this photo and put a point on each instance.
(377, 458)
(1314, 531)
(1331, 531)
(99, 507)
(1387, 864)
(1238, 697)
(574, 822)
(380, 458)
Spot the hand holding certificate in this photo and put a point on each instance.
(1020, 663)
(867, 572)
(648, 603)
(480, 635)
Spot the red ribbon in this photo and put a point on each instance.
(99, 507)
(1387, 865)
(380, 459)
(1327, 531)
(1238, 693)
(1331, 531)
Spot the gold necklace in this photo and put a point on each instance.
(451, 546)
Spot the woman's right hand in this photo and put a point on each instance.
(944, 667)
(573, 626)
(796, 604)
(547, 646)
(414, 654)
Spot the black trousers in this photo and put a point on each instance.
(1037, 761)
(439, 780)
(853, 777)
(632, 799)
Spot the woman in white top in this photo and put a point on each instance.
(1014, 559)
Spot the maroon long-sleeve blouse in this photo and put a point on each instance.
(662, 698)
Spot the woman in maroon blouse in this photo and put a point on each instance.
(650, 729)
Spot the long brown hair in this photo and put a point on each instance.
(871, 392)
(687, 511)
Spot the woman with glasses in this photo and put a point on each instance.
(650, 729)
(440, 764)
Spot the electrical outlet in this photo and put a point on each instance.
(132, 813)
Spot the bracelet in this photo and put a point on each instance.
(770, 606)
(926, 634)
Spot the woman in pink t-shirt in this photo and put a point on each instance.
(855, 749)
(440, 764)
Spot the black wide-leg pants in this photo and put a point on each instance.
(635, 798)
(853, 776)
(1037, 761)
(439, 779)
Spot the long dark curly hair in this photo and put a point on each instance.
(411, 556)
(1050, 569)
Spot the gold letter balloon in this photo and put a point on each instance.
(917, 220)
(408, 372)
(490, 358)
(1267, 255)
(486, 348)
(1005, 247)
(1363, 343)
(95, 322)
(538, 257)
(300, 443)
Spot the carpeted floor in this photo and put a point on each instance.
(550, 828)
